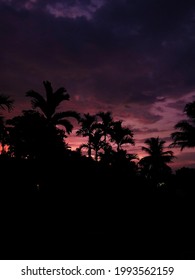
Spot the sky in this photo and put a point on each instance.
(133, 58)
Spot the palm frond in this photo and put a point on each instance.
(167, 153)
(157, 158)
(60, 95)
(82, 146)
(127, 139)
(106, 117)
(183, 139)
(87, 125)
(59, 98)
(61, 91)
(88, 120)
(66, 114)
(37, 101)
(49, 90)
(66, 124)
(121, 135)
(147, 150)
(190, 109)
(168, 158)
(6, 102)
(145, 160)
(183, 125)
(82, 132)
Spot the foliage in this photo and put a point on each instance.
(121, 135)
(6, 102)
(49, 105)
(185, 136)
(29, 134)
(154, 166)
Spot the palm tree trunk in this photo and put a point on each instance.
(89, 151)
(96, 155)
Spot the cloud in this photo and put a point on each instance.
(184, 158)
(78, 9)
(20, 4)
(66, 9)
(135, 58)
(127, 50)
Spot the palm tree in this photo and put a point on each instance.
(96, 143)
(49, 105)
(106, 124)
(88, 126)
(6, 102)
(107, 157)
(28, 137)
(121, 135)
(185, 137)
(155, 164)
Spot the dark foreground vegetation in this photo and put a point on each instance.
(80, 209)
(104, 204)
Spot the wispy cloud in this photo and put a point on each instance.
(75, 10)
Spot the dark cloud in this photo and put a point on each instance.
(131, 50)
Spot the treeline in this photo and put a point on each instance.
(59, 203)
(41, 134)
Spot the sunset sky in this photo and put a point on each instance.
(134, 58)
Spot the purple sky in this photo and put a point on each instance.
(134, 58)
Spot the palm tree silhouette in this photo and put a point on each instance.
(185, 137)
(155, 164)
(49, 105)
(106, 123)
(29, 137)
(88, 126)
(107, 157)
(121, 135)
(96, 143)
(6, 102)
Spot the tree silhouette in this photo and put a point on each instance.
(88, 126)
(29, 136)
(96, 143)
(122, 160)
(107, 157)
(6, 102)
(185, 137)
(4, 134)
(106, 124)
(121, 135)
(155, 164)
(49, 105)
